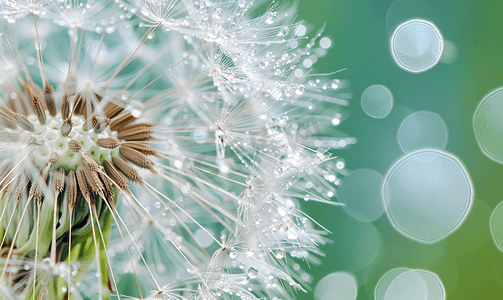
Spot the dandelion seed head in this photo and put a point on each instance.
(165, 141)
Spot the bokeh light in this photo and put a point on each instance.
(386, 281)
(496, 224)
(377, 101)
(427, 195)
(407, 286)
(488, 125)
(416, 45)
(421, 130)
(336, 286)
(403, 284)
(361, 193)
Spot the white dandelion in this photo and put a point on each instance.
(161, 149)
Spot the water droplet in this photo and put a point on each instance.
(278, 170)
(136, 108)
(299, 89)
(233, 254)
(271, 17)
(218, 12)
(125, 96)
(269, 197)
(252, 272)
(336, 83)
(111, 29)
(283, 31)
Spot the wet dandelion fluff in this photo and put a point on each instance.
(160, 149)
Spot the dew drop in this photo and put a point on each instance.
(111, 29)
(233, 254)
(271, 17)
(336, 83)
(252, 272)
(283, 31)
(218, 12)
(136, 108)
(299, 89)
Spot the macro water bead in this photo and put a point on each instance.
(160, 149)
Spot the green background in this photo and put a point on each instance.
(468, 263)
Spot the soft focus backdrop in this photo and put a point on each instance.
(468, 262)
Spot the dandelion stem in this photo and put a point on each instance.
(36, 250)
(13, 243)
(98, 265)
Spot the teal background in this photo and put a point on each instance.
(468, 263)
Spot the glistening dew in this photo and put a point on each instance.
(159, 149)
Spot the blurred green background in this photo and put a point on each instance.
(468, 263)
